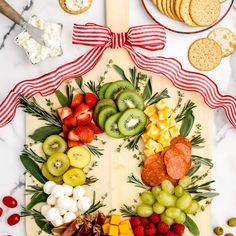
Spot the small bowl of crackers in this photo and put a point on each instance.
(75, 7)
(187, 16)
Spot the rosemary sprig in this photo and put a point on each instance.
(137, 183)
(95, 150)
(32, 212)
(31, 154)
(198, 188)
(33, 108)
(188, 107)
(201, 160)
(92, 86)
(157, 97)
(133, 142)
(197, 140)
(202, 196)
(79, 82)
(90, 180)
(127, 211)
(69, 92)
(179, 102)
(33, 189)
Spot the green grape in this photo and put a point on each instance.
(168, 186)
(174, 199)
(185, 181)
(193, 207)
(179, 191)
(158, 208)
(184, 202)
(166, 219)
(144, 210)
(173, 212)
(166, 199)
(181, 219)
(156, 190)
(148, 198)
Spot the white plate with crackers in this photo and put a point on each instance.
(187, 16)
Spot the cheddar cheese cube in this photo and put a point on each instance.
(153, 132)
(126, 222)
(106, 228)
(174, 131)
(153, 145)
(164, 141)
(154, 118)
(130, 233)
(148, 152)
(163, 124)
(150, 110)
(172, 122)
(115, 220)
(163, 115)
(161, 105)
(124, 228)
(113, 230)
(145, 137)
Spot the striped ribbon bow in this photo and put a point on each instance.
(149, 37)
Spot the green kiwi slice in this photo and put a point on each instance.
(116, 87)
(58, 163)
(104, 114)
(47, 175)
(74, 177)
(53, 144)
(132, 122)
(102, 90)
(101, 104)
(111, 126)
(129, 99)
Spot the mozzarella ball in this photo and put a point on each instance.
(48, 186)
(73, 206)
(78, 192)
(58, 191)
(68, 217)
(52, 214)
(62, 212)
(68, 189)
(51, 200)
(44, 209)
(58, 221)
(64, 202)
(84, 203)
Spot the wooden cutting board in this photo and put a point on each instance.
(113, 167)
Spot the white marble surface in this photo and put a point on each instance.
(15, 67)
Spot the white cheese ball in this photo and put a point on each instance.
(68, 217)
(58, 221)
(52, 214)
(51, 200)
(78, 192)
(44, 209)
(73, 206)
(68, 189)
(64, 202)
(48, 186)
(63, 212)
(84, 203)
(58, 191)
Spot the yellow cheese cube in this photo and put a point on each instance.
(115, 219)
(153, 145)
(114, 230)
(153, 132)
(148, 152)
(159, 148)
(164, 141)
(127, 222)
(163, 124)
(124, 228)
(172, 122)
(130, 233)
(106, 228)
(163, 115)
(161, 105)
(150, 110)
(174, 131)
(165, 134)
(154, 118)
(145, 137)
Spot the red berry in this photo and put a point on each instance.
(73, 136)
(13, 219)
(155, 218)
(150, 229)
(77, 99)
(178, 229)
(91, 99)
(144, 221)
(170, 233)
(139, 230)
(81, 108)
(9, 202)
(94, 128)
(84, 118)
(64, 112)
(162, 228)
(1, 211)
(135, 221)
(74, 143)
(85, 134)
(70, 121)
(65, 130)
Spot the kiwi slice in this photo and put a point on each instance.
(116, 87)
(74, 177)
(111, 126)
(101, 104)
(47, 175)
(58, 163)
(129, 99)
(54, 143)
(79, 157)
(132, 122)
(102, 90)
(104, 114)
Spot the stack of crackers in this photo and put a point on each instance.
(206, 54)
(191, 12)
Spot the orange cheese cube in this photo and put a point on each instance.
(130, 233)
(145, 137)
(106, 228)
(113, 230)
(126, 222)
(124, 228)
(115, 220)
(150, 110)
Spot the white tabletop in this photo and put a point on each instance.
(15, 67)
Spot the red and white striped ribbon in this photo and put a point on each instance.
(149, 37)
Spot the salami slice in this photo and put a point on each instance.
(185, 150)
(181, 139)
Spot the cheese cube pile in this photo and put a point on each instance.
(116, 227)
(161, 129)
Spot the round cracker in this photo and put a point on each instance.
(64, 7)
(172, 8)
(225, 38)
(168, 8)
(184, 12)
(177, 8)
(164, 7)
(221, 1)
(205, 54)
(159, 6)
(205, 12)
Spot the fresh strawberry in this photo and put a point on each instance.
(73, 136)
(82, 108)
(155, 218)
(77, 100)
(135, 221)
(85, 134)
(84, 118)
(150, 229)
(91, 100)
(74, 143)
(70, 121)
(139, 230)
(178, 229)
(144, 221)
(64, 112)
(95, 128)
(65, 130)
(162, 228)
(170, 233)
